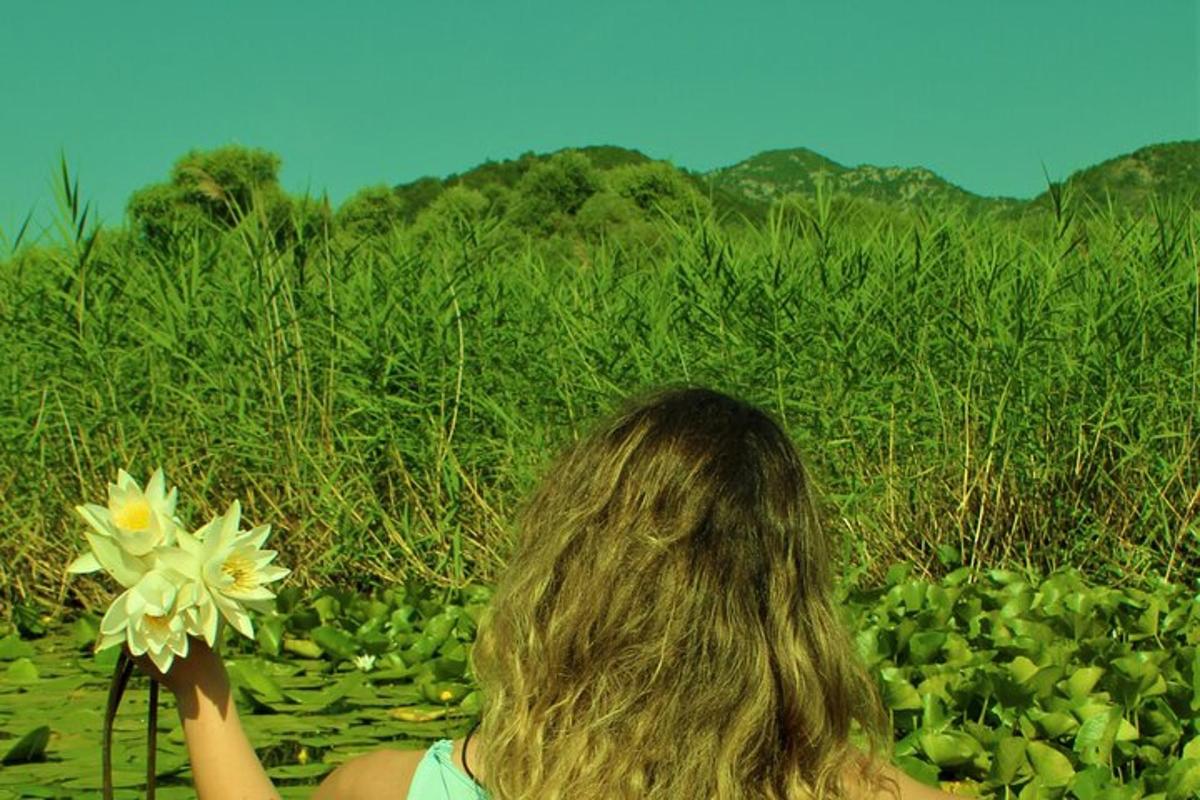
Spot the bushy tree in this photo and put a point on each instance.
(550, 193)
(214, 188)
(373, 211)
(159, 213)
(223, 181)
(656, 187)
(454, 216)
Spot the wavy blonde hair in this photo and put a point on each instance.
(665, 626)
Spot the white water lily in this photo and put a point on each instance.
(364, 662)
(147, 617)
(227, 565)
(127, 531)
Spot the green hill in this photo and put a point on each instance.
(747, 188)
(1168, 170)
(774, 174)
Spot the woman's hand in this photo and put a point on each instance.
(202, 668)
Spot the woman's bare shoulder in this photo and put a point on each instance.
(910, 789)
(380, 773)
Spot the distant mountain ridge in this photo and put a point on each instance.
(749, 187)
(773, 174)
(1170, 169)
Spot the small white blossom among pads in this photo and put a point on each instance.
(176, 584)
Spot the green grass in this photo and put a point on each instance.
(965, 391)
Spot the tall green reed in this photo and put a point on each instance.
(1017, 395)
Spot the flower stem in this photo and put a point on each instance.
(152, 741)
(116, 690)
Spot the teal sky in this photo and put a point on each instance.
(983, 93)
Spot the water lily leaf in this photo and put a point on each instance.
(1183, 779)
(302, 647)
(1083, 680)
(328, 698)
(439, 626)
(1096, 735)
(417, 714)
(22, 671)
(933, 713)
(1195, 703)
(919, 770)
(84, 630)
(375, 643)
(327, 608)
(472, 704)
(1010, 760)
(449, 669)
(291, 771)
(303, 620)
(13, 647)
(30, 747)
(38, 790)
(1091, 783)
(1022, 669)
(334, 642)
(897, 573)
(1192, 748)
(898, 693)
(949, 748)
(1053, 724)
(256, 681)
(1051, 766)
(1159, 728)
(444, 691)
(270, 635)
(923, 647)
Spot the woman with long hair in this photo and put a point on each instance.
(665, 628)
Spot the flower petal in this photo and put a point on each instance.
(127, 569)
(256, 536)
(236, 616)
(96, 516)
(138, 644)
(117, 617)
(255, 593)
(138, 543)
(84, 564)
(156, 486)
(229, 524)
(107, 640)
(208, 621)
(268, 574)
(125, 480)
(156, 590)
(162, 658)
(169, 501)
(181, 561)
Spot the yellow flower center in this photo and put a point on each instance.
(132, 515)
(241, 569)
(159, 624)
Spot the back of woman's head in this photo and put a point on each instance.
(665, 627)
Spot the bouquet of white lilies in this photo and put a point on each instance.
(176, 583)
